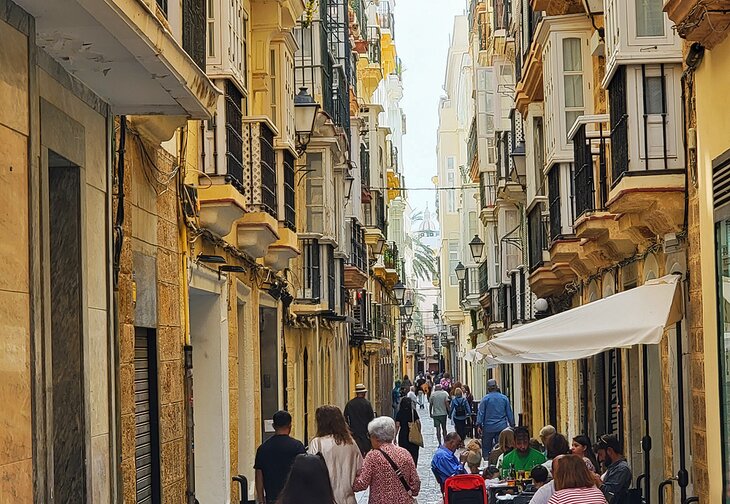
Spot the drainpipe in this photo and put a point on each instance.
(646, 440)
(187, 348)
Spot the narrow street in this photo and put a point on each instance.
(430, 493)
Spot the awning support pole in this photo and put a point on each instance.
(646, 440)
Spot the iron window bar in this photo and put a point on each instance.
(234, 139)
(554, 203)
(311, 279)
(290, 216)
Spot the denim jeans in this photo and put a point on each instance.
(489, 439)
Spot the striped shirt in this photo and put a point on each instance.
(590, 495)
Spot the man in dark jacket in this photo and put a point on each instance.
(359, 413)
(615, 482)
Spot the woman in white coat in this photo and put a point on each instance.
(339, 450)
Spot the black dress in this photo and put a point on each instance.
(404, 416)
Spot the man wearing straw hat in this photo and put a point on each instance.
(359, 413)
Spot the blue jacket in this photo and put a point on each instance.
(445, 464)
(495, 413)
(456, 401)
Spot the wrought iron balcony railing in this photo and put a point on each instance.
(390, 257)
(619, 124)
(364, 167)
(259, 177)
(537, 236)
(484, 278)
(554, 203)
(290, 216)
(590, 161)
(358, 249)
(234, 140)
(472, 146)
(331, 278)
(311, 271)
(380, 213)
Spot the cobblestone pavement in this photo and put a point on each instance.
(430, 492)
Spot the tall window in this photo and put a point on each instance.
(450, 182)
(472, 225)
(453, 261)
(315, 193)
(573, 80)
(649, 18)
(497, 259)
(538, 147)
(273, 90)
(211, 27)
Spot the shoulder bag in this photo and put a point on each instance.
(414, 431)
(398, 473)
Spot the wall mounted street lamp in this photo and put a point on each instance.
(349, 179)
(377, 247)
(477, 247)
(305, 113)
(399, 291)
(408, 309)
(460, 271)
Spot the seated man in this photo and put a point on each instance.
(444, 463)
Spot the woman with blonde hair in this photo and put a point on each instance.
(505, 445)
(339, 450)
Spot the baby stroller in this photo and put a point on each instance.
(465, 489)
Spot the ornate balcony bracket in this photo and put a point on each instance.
(703, 21)
(221, 205)
(256, 232)
(285, 248)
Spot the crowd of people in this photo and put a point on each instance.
(353, 451)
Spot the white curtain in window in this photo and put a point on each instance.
(649, 18)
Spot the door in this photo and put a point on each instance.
(146, 417)
(268, 333)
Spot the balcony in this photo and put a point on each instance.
(365, 172)
(557, 7)
(221, 204)
(285, 248)
(647, 158)
(310, 290)
(258, 229)
(323, 63)
(125, 52)
(469, 289)
(708, 25)
(472, 152)
(487, 195)
(359, 25)
(356, 269)
(361, 313)
(369, 65)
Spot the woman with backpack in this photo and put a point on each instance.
(460, 411)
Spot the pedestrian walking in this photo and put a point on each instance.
(574, 483)
(274, 459)
(615, 482)
(395, 396)
(421, 391)
(406, 416)
(557, 445)
(522, 458)
(505, 445)
(439, 410)
(406, 382)
(444, 463)
(388, 470)
(495, 414)
(412, 396)
(308, 482)
(359, 413)
(460, 410)
(446, 382)
(339, 450)
(582, 447)
(468, 395)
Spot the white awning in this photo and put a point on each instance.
(633, 317)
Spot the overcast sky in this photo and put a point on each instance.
(422, 33)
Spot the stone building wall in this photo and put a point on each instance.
(150, 276)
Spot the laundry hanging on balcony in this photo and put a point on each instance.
(633, 317)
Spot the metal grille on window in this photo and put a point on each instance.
(194, 21)
(234, 140)
(290, 216)
(331, 276)
(619, 124)
(583, 181)
(311, 280)
(268, 171)
(556, 229)
(536, 236)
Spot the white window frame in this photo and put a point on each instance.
(453, 261)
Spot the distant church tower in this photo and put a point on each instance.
(427, 227)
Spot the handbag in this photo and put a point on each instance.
(414, 431)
